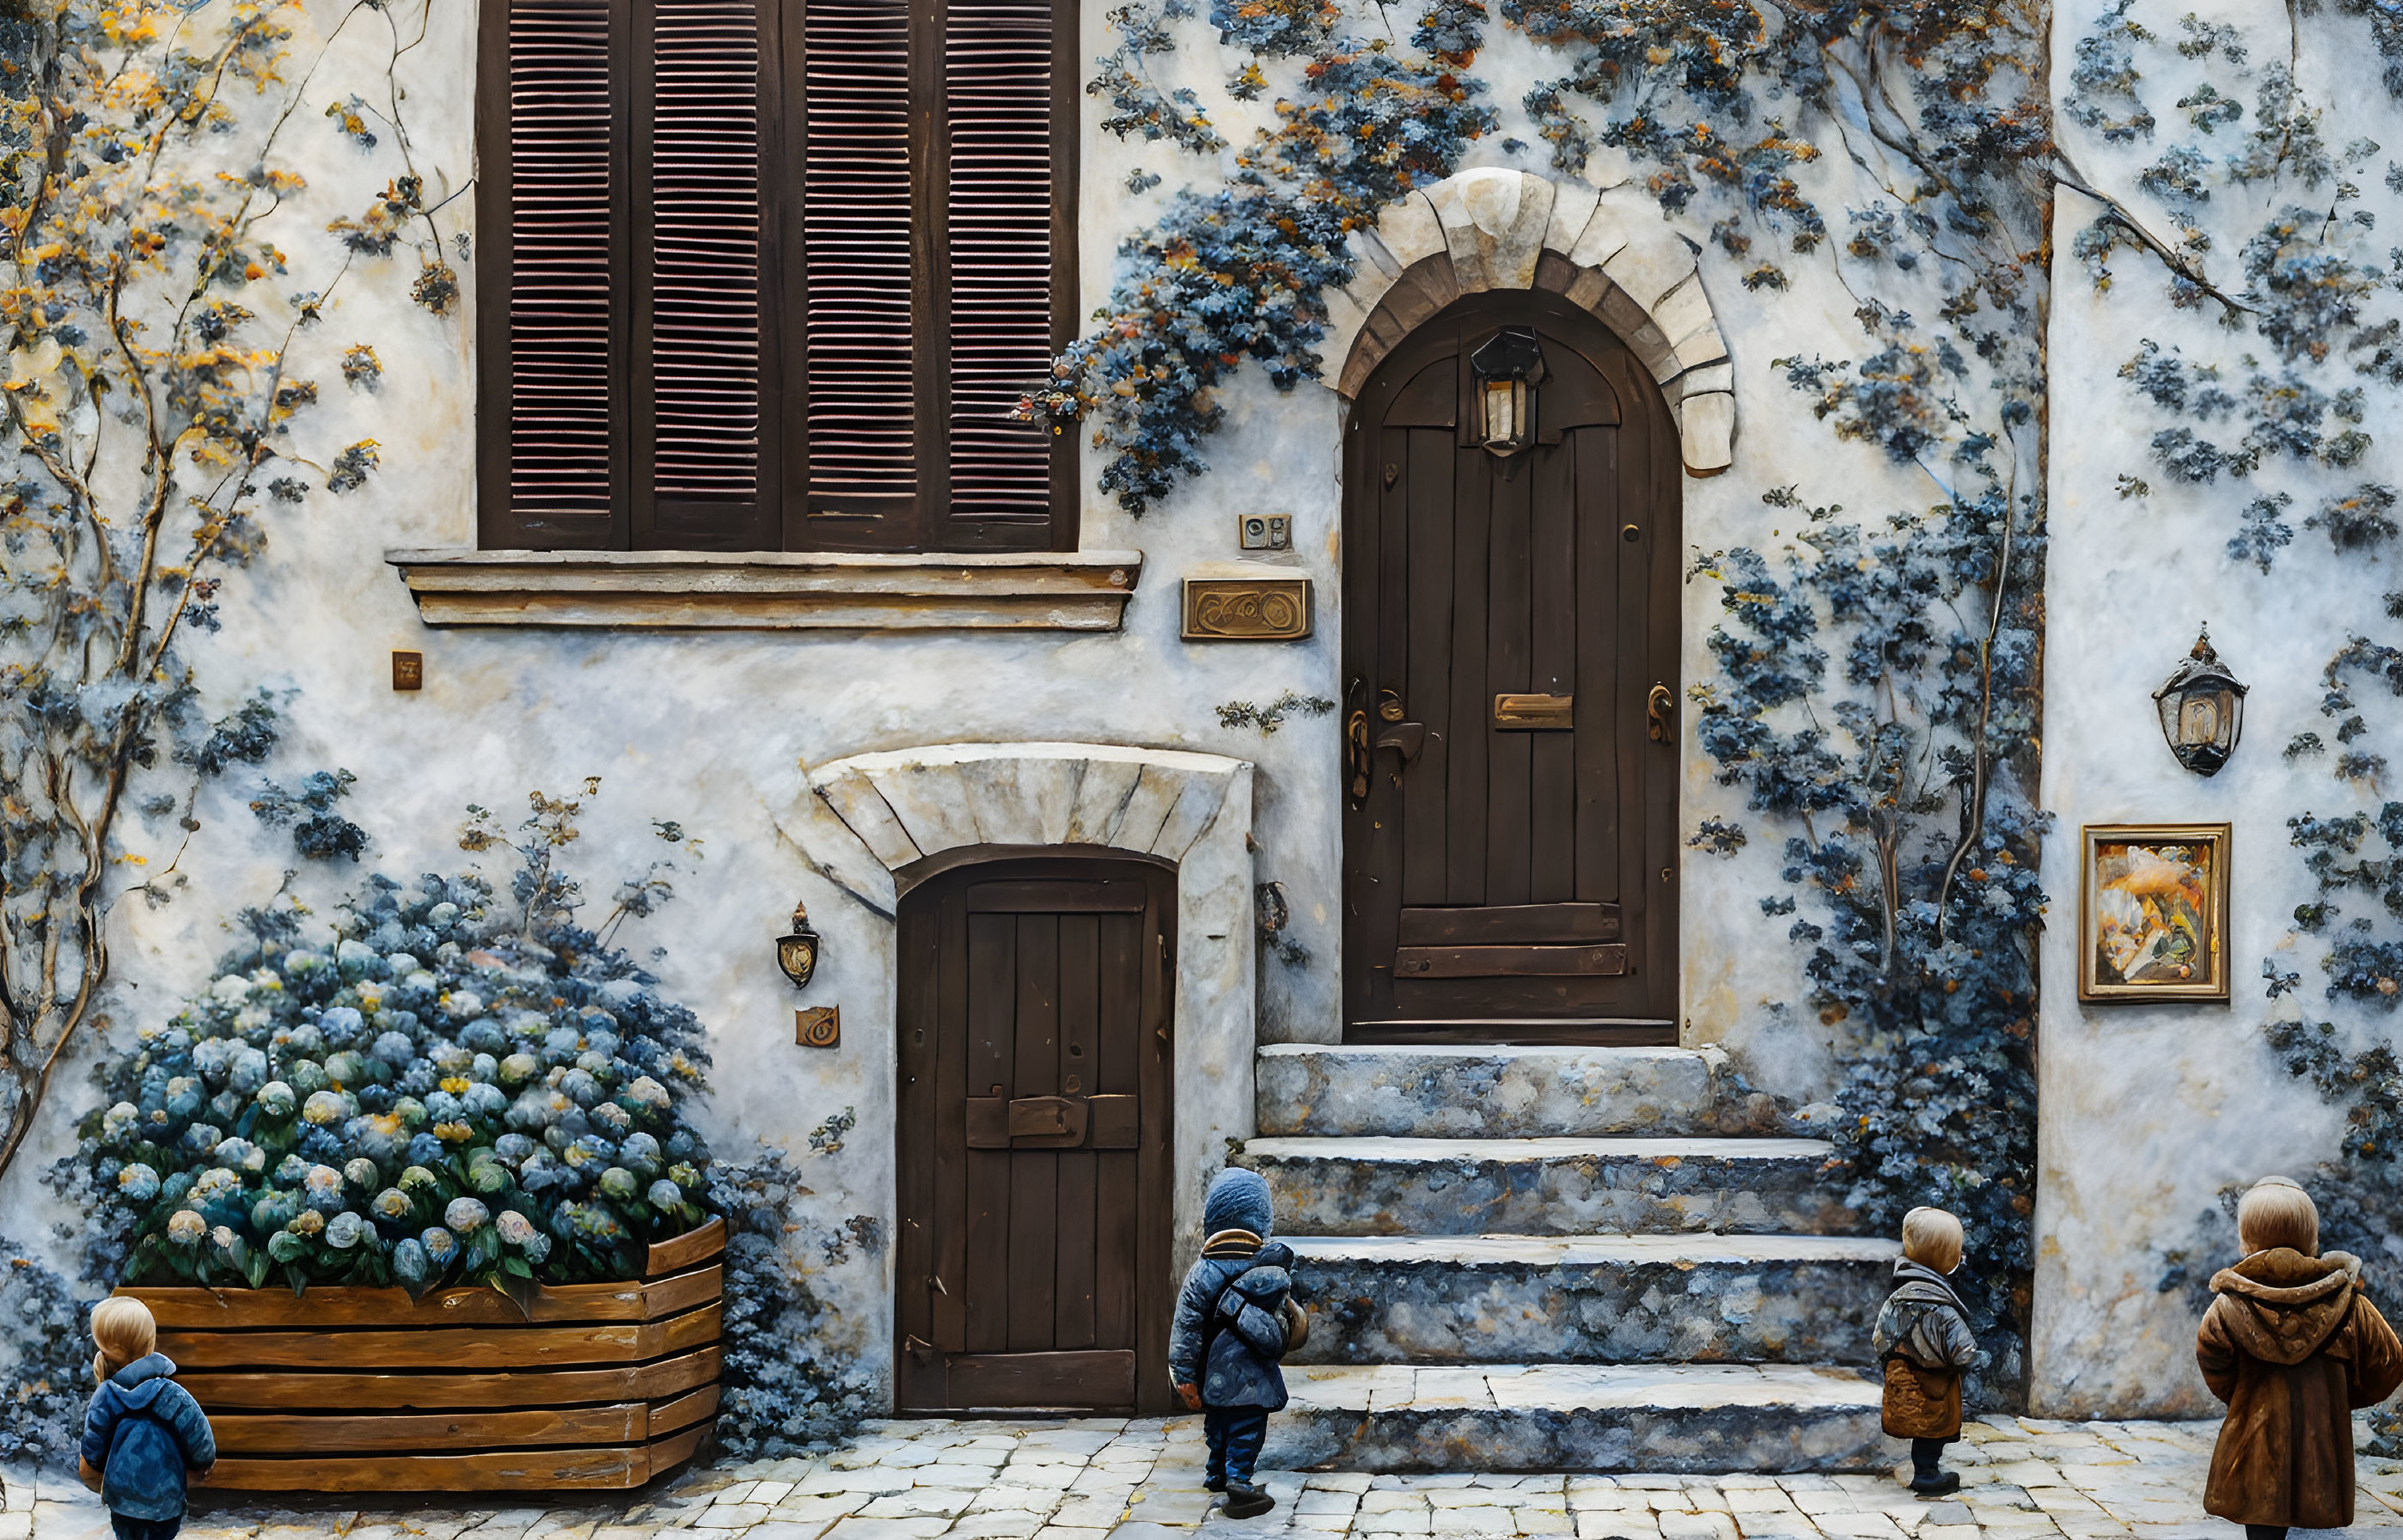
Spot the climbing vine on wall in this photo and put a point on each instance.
(163, 318)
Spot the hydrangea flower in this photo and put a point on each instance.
(500, 1074)
(665, 1195)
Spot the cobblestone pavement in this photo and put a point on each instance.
(2023, 1479)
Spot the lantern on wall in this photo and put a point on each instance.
(2202, 709)
(1507, 369)
(796, 953)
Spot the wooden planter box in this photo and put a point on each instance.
(604, 1385)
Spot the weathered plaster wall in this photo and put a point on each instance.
(719, 732)
(2150, 1113)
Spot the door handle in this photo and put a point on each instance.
(1358, 752)
(1660, 710)
(1404, 738)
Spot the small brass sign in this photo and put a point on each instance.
(818, 1026)
(1535, 711)
(409, 670)
(1246, 609)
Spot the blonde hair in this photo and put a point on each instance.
(2276, 1212)
(1932, 1237)
(125, 1331)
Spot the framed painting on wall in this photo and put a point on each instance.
(2153, 922)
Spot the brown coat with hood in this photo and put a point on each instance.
(2293, 1346)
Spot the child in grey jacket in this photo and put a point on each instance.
(143, 1432)
(1923, 1339)
(1234, 1320)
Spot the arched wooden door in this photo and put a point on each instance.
(1510, 634)
(1033, 1261)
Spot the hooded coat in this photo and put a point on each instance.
(2294, 1347)
(1229, 1330)
(1923, 1339)
(141, 1433)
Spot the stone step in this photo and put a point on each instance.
(1422, 1093)
(1596, 1299)
(1547, 1186)
(1683, 1419)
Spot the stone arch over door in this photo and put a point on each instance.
(878, 814)
(1607, 252)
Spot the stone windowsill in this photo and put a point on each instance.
(771, 590)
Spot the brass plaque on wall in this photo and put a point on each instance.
(1246, 609)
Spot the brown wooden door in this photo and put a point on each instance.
(1033, 1136)
(1511, 665)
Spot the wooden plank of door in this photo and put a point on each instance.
(1638, 756)
(1155, 1286)
(1089, 1378)
(1115, 1192)
(916, 962)
(1472, 696)
(1598, 741)
(949, 1303)
(1607, 960)
(1080, 1007)
(1517, 925)
(1510, 757)
(1034, 1241)
(1424, 602)
(992, 1004)
(1551, 612)
(1663, 590)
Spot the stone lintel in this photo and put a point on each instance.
(772, 590)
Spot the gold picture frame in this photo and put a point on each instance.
(2152, 917)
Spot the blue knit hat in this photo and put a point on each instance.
(1237, 1199)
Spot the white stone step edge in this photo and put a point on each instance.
(1578, 1387)
(1373, 1051)
(1409, 1149)
(1571, 1251)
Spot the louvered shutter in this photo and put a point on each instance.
(552, 417)
(701, 405)
(860, 247)
(717, 324)
(999, 80)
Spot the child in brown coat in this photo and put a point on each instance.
(1923, 1339)
(2294, 1347)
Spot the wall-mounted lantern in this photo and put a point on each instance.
(2202, 709)
(797, 953)
(1508, 369)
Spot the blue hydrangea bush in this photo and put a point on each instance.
(437, 1089)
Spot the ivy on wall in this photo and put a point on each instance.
(162, 316)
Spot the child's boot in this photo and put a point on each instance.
(1247, 1502)
(1926, 1478)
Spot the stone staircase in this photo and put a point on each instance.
(1522, 1259)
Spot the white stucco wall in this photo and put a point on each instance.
(2150, 1113)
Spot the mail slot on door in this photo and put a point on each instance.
(1534, 712)
(1051, 1122)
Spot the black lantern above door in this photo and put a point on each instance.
(1508, 369)
(2202, 709)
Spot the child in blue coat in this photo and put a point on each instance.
(1235, 1320)
(143, 1432)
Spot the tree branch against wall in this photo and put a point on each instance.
(159, 343)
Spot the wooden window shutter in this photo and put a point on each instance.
(551, 428)
(703, 333)
(860, 235)
(1005, 271)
